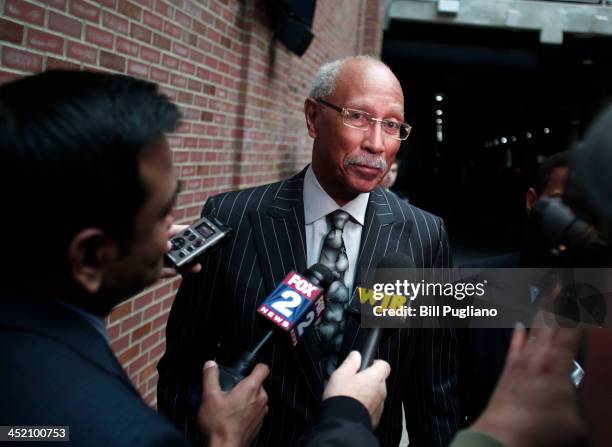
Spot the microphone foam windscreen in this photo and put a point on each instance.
(592, 164)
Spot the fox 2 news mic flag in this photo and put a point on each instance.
(294, 305)
(289, 307)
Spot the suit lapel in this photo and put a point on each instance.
(280, 242)
(278, 231)
(385, 231)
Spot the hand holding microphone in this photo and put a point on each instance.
(232, 402)
(293, 306)
(232, 419)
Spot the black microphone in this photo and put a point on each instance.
(393, 261)
(293, 306)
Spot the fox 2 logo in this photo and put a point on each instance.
(289, 303)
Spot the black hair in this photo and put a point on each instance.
(555, 161)
(70, 145)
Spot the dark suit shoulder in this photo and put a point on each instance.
(232, 205)
(48, 383)
(400, 206)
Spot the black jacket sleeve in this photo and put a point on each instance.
(343, 421)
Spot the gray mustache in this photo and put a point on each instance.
(369, 161)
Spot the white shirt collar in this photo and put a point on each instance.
(318, 204)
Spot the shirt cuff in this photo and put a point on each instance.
(473, 438)
(345, 408)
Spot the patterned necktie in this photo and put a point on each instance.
(333, 256)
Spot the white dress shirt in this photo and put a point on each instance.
(317, 205)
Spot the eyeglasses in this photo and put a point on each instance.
(358, 119)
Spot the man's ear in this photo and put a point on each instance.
(311, 111)
(530, 199)
(87, 255)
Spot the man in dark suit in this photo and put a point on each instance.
(483, 351)
(355, 115)
(85, 166)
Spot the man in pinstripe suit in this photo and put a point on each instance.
(355, 116)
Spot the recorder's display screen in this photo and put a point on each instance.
(205, 230)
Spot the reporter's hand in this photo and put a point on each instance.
(535, 402)
(169, 272)
(368, 386)
(232, 419)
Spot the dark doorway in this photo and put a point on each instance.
(505, 102)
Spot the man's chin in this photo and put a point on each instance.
(360, 185)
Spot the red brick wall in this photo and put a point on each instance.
(241, 95)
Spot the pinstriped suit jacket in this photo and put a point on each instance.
(214, 316)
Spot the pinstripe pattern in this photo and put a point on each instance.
(214, 317)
